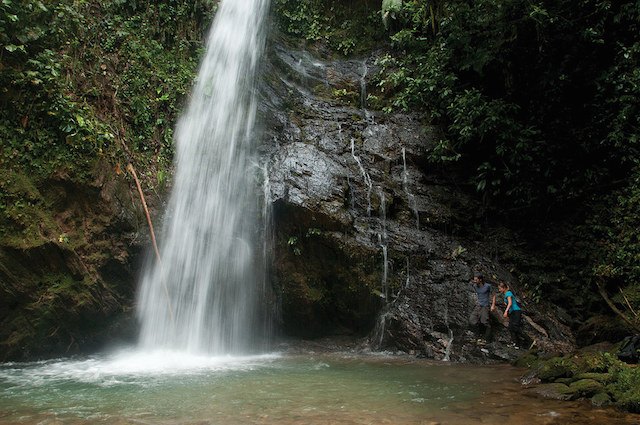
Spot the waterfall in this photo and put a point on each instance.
(203, 296)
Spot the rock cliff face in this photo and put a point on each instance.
(368, 239)
(63, 290)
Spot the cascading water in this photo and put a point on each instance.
(363, 93)
(202, 297)
(382, 237)
(365, 175)
(405, 184)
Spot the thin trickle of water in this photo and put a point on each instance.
(203, 296)
(382, 237)
(405, 185)
(365, 176)
(363, 92)
(380, 328)
(449, 346)
(363, 86)
(447, 350)
(406, 283)
(385, 273)
(352, 198)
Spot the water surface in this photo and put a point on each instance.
(170, 388)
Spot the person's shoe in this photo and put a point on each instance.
(480, 341)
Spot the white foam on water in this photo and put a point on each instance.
(127, 366)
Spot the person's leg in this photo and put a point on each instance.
(484, 319)
(515, 327)
(474, 318)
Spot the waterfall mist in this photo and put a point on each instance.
(204, 295)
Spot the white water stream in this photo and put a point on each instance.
(365, 175)
(202, 297)
(405, 184)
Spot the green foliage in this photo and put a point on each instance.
(293, 245)
(136, 63)
(617, 239)
(78, 78)
(43, 127)
(346, 27)
(626, 388)
(302, 18)
(539, 103)
(539, 99)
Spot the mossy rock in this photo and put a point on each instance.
(566, 381)
(603, 378)
(601, 399)
(527, 360)
(555, 368)
(593, 362)
(625, 388)
(586, 387)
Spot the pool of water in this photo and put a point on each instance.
(172, 388)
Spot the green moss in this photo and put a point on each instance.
(554, 391)
(585, 387)
(557, 367)
(594, 362)
(600, 377)
(527, 360)
(601, 399)
(24, 219)
(626, 388)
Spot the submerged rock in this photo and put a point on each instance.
(555, 391)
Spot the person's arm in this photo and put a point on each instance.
(493, 302)
(506, 310)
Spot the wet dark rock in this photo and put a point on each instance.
(369, 240)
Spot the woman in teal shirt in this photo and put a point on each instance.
(513, 312)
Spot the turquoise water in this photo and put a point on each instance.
(170, 388)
